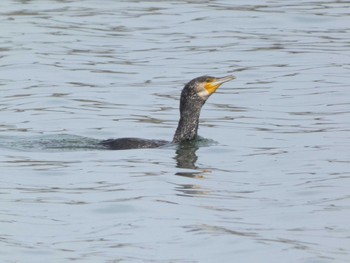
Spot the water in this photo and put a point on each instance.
(270, 185)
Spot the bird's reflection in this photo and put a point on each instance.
(186, 157)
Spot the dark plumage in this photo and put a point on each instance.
(132, 143)
(193, 96)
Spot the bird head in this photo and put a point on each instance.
(205, 86)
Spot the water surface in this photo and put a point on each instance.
(272, 183)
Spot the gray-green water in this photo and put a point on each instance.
(270, 185)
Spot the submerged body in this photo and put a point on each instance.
(193, 96)
(132, 143)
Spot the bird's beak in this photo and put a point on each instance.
(215, 83)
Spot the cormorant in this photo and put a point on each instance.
(193, 96)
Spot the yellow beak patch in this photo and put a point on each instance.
(215, 83)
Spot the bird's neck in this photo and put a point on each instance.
(188, 124)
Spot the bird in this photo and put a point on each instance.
(193, 96)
